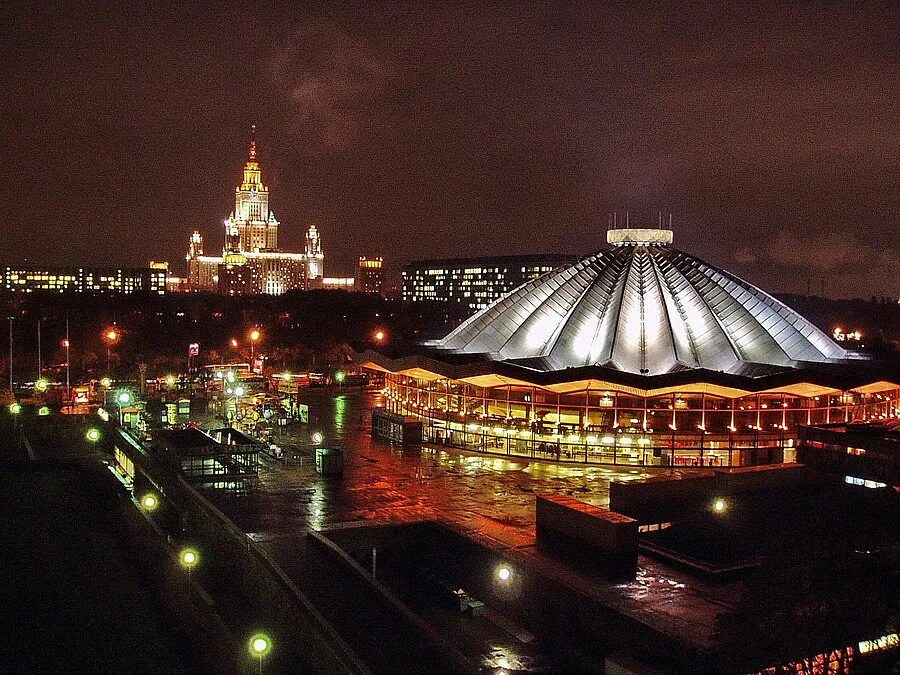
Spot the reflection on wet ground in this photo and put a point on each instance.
(490, 495)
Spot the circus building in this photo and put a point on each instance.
(638, 354)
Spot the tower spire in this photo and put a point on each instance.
(253, 142)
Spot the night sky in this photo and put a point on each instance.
(437, 130)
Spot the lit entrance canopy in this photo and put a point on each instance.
(646, 308)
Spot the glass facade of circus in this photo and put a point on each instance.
(611, 426)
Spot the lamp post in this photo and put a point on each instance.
(122, 398)
(11, 393)
(66, 344)
(40, 363)
(260, 645)
(238, 392)
(227, 377)
(255, 336)
(111, 336)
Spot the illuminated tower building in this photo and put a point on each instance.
(370, 275)
(253, 224)
(202, 270)
(251, 262)
(315, 261)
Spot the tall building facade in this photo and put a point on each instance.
(251, 262)
(251, 226)
(370, 275)
(474, 283)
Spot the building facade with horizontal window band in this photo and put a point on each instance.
(86, 280)
(474, 283)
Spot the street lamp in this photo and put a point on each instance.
(110, 336)
(317, 438)
(42, 385)
(66, 345)
(105, 382)
(260, 645)
(719, 505)
(170, 380)
(379, 335)
(150, 501)
(93, 435)
(504, 574)
(15, 408)
(255, 337)
(189, 558)
(123, 398)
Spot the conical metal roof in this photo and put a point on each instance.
(642, 307)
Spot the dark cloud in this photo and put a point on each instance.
(426, 129)
(332, 80)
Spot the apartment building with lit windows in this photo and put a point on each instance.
(475, 282)
(106, 280)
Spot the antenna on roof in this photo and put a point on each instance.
(659, 221)
(670, 220)
(627, 219)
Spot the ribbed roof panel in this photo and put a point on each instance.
(642, 309)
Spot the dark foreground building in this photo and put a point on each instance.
(639, 354)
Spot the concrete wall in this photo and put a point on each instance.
(260, 587)
(411, 644)
(612, 535)
(579, 627)
(665, 498)
(661, 498)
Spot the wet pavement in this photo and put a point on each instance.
(492, 496)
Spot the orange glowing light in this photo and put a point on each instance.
(379, 336)
(255, 335)
(234, 343)
(65, 344)
(112, 335)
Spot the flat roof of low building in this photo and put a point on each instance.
(187, 441)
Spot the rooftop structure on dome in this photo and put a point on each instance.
(640, 354)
